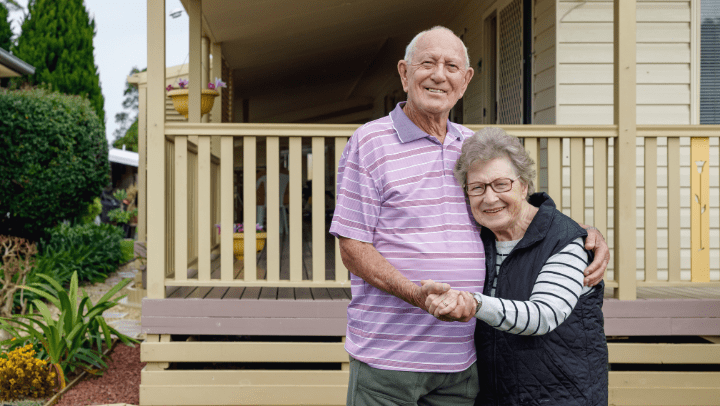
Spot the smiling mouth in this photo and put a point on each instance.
(431, 90)
(493, 211)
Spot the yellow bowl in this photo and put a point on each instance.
(180, 100)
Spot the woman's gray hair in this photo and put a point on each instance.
(490, 143)
(410, 49)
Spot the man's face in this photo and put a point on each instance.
(436, 77)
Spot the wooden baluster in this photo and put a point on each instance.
(577, 179)
(341, 272)
(650, 190)
(555, 171)
(272, 208)
(204, 226)
(295, 168)
(181, 207)
(249, 207)
(227, 207)
(673, 173)
(318, 209)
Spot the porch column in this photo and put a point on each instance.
(156, 265)
(142, 165)
(202, 210)
(625, 117)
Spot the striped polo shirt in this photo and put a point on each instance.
(396, 190)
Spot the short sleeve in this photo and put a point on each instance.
(358, 201)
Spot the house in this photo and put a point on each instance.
(12, 66)
(611, 119)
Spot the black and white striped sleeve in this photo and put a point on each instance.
(556, 291)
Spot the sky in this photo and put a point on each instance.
(121, 44)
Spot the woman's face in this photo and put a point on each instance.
(499, 212)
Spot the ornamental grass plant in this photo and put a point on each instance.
(77, 339)
(22, 375)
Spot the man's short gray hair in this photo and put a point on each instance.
(490, 143)
(410, 49)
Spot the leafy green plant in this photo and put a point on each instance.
(77, 338)
(91, 250)
(120, 194)
(121, 216)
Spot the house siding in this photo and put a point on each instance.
(664, 96)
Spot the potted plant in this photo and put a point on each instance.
(239, 239)
(180, 97)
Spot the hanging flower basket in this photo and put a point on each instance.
(239, 244)
(180, 100)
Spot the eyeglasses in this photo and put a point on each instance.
(500, 185)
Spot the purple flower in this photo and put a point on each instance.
(218, 84)
(238, 227)
(169, 88)
(183, 83)
(211, 86)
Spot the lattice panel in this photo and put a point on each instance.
(510, 61)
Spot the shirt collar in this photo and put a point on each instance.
(407, 130)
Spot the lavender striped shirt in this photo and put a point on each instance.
(396, 190)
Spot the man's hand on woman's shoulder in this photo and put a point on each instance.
(595, 242)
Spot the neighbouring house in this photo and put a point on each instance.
(607, 95)
(11, 66)
(123, 167)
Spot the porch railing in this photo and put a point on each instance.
(575, 167)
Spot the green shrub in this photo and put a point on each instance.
(53, 160)
(91, 250)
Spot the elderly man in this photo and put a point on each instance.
(401, 218)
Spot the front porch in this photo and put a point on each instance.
(274, 324)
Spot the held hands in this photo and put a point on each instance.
(448, 304)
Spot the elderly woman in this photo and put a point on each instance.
(540, 337)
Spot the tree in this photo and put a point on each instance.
(57, 39)
(5, 30)
(127, 132)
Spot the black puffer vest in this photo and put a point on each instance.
(567, 366)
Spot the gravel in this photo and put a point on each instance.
(119, 384)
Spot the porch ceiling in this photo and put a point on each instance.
(275, 43)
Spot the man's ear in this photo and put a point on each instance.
(468, 75)
(403, 70)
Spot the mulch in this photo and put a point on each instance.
(119, 384)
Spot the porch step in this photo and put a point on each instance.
(241, 372)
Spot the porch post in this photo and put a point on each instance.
(625, 118)
(142, 166)
(156, 265)
(196, 60)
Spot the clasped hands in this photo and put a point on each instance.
(448, 304)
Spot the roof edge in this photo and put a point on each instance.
(16, 64)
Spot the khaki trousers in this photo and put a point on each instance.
(370, 386)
